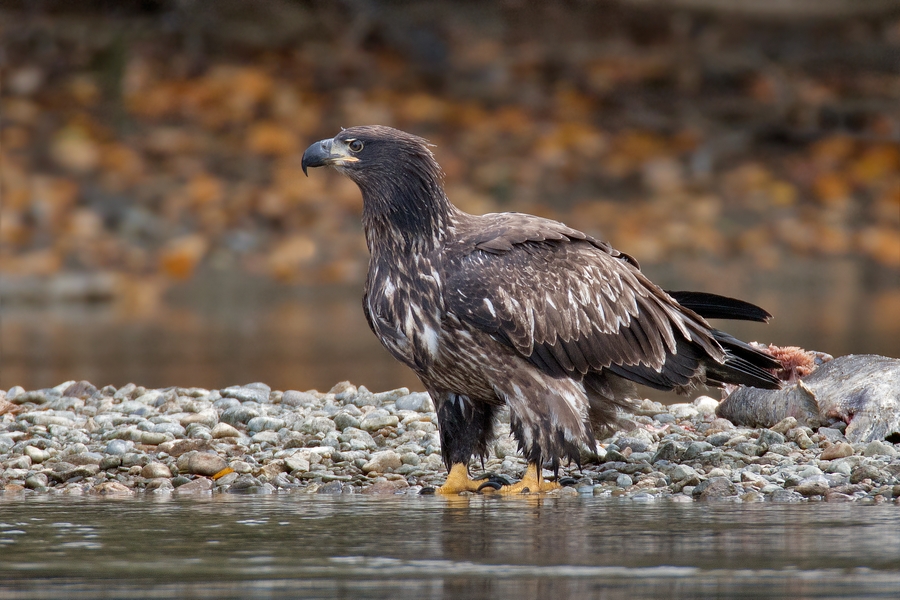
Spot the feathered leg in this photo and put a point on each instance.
(466, 427)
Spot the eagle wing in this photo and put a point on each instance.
(573, 305)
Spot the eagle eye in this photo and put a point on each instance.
(355, 145)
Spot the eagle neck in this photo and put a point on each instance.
(405, 217)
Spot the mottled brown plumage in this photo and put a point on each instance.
(512, 309)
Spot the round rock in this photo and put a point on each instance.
(200, 463)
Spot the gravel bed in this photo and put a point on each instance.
(77, 439)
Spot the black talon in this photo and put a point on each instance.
(490, 484)
(567, 481)
(495, 478)
(427, 491)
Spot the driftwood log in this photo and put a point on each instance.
(862, 390)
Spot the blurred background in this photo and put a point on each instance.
(155, 225)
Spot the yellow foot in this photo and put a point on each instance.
(532, 483)
(458, 481)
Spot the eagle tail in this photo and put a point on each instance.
(713, 306)
(743, 364)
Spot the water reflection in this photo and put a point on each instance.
(413, 547)
(223, 329)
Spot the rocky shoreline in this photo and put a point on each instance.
(76, 439)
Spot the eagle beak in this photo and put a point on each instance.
(323, 153)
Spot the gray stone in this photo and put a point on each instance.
(866, 471)
(343, 420)
(719, 439)
(85, 458)
(36, 455)
(681, 472)
(879, 448)
(134, 459)
(695, 449)
(265, 424)
(155, 470)
(781, 495)
(314, 425)
(227, 480)
(714, 488)
(624, 481)
(265, 437)
(418, 402)
(160, 486)
(378, 419)
(238, 415)
(205, 417)
(38, 481)
(832, 434)
(768, 437)
(125, 392)
(197, 486)
(224, 430)
(200, 463)
(174, 428)
(153, 438)
(298, 461)
(636, 445)
(247, 393)
(299, 399)
(119, 447)
(110, 462)
(14, 391)
(383, 462)
(816, 485)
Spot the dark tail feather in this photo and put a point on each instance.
(713, 306)
(744, 364)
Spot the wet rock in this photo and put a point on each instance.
(200, 485)
(624, 481)
(111, 488)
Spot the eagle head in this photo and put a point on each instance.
(372, 151)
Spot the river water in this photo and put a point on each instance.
(221, 329)
(293, 546)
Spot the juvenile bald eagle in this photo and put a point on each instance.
(512, 309)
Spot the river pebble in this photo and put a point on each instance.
(75, 438)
